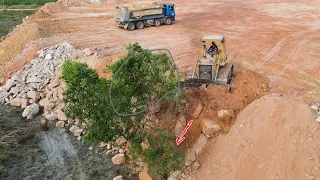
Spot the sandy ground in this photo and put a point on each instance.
(270, 140)
(278, 39)
(275, 38)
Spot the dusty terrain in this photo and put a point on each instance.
(280, 40)
(270, 140)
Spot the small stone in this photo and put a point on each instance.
(48, 57)
(8, 85)
(119, 159)
(121, 141)
(209, 127)
(318, 119)
(102, 145)
(16, 102)
(145, 145)
(3, 96)
(54, 83)
(24, 103)
(226, 114)
(60, 124)
(44, 124)
(79, 138)
(109, 146)
(90, 148)
(87, 52)
(33, 95)
(108, 152)
(122, 151)
(175, 175)
(179, 129)
(48, 106)
(78, 132)
(115, 150)
(51, 116)
(61, 115)
(195, 165)
(314, 107)
(15, 90)
(73, 129)
(118, 178)
(198, 110)
(183, 101)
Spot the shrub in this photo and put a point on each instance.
(143, 74)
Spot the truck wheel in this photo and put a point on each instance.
(131, 26)
(140, 25)
(168, 21)
(157, 22)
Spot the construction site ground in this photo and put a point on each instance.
(274, 44)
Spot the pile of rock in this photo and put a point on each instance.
(209, 130)
(27, 86)
(316, 107)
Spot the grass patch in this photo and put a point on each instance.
(10, 19)
(25, 2)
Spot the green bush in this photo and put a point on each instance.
(143, 74)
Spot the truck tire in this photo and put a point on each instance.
(131, 26)
(157, 22)
(168, 21)
(140, 25)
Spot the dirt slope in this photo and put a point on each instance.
(275, 137)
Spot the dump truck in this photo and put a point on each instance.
(139, 16)
(212, 66)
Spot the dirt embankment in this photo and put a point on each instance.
(275, 137)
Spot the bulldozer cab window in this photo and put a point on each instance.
(171, 8)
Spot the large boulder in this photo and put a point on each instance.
(226, 114)
(197, 111)
(31, 111)
(119, 159)
(16, 102)
(209, 127)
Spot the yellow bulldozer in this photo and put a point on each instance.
(212, 66)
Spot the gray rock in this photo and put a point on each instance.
(34, 80)
(78, 132)
(73, 129)
(48, 57)
(60, 124)
(8, 85)
(121, 141)
(3, 96)
(31, 111)
(318, 119)
(314, 107)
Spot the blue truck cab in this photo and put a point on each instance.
(169, 10)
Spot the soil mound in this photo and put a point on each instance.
(247, 86)
(275, 137)
(69, 3)
(16, 41)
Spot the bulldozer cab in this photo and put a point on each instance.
(212, 57)
(211, 66)
(210, 40)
